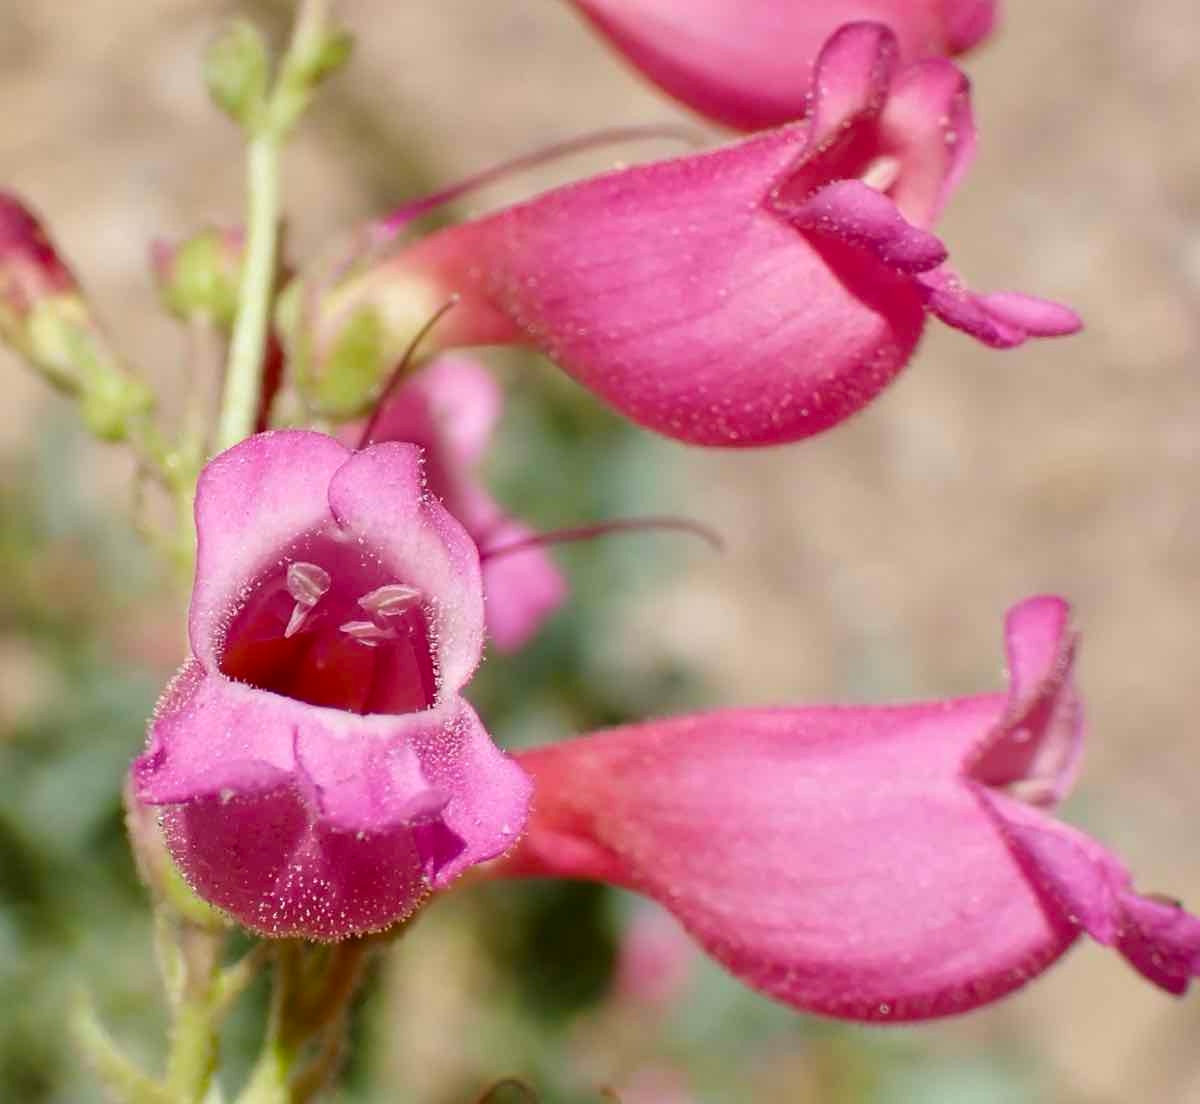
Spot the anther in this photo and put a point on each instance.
(366, 632)
(881, 173)
(307, 584)
(390, 600)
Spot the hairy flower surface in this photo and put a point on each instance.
(748, 63)
(318, 770)
(751, 295)
(878, 863)
(450, 408)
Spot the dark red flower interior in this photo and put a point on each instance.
(330, 625)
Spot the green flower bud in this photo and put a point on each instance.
(236, 70)
(345, 345)
(45, 317)
(199, 277)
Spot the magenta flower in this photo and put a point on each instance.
(877, 863)
(748, 63)
(450, 408)
(751, 295)
(318, 770)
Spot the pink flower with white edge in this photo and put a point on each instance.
(450, 408)
(318, 771)
(877, 863)
(755, 294)
(748, 63)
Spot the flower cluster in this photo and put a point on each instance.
(318, 769)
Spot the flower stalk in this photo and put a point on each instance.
(315, 51)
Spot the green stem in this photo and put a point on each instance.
(243, 377)
(269, 1081)
(122, 1080)
(298, 76)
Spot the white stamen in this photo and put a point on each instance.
(307, 583)
(881, 173)
(390, 600)
(366, 632)
(295, 623)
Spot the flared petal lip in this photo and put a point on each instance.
(214, 696)
(257, 498)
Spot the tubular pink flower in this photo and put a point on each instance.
(755, 294)
(450, 408)
(748, 63)
(318, 770)
(879, 863)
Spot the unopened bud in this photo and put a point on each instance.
(236, 69)
(325, 56)
(31, 272)
(345, 345)
(113, 403)
(46, 319)
(199, 277)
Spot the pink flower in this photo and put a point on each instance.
(450, 408)
(318, 770)
(877, 863)
(751, 295)
(748, 63)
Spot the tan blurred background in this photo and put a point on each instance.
(979, 478)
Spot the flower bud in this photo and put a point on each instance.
(235, 70)
(31, 274)
(344, 346)
(199, 277)
(45, 317)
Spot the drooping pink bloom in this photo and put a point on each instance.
(450, 408)
(748, 63)
(754, 294)
(318, 770)
(878, 863)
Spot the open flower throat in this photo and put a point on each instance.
(332, 626)
(318, 770)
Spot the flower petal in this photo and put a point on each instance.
(668, 290)
(1036, 749)
(378, 497)
(211, 737)
(450, 408)
(829, 858)
(1091, 888)
(842, 860)
(1001, 319)
(453, 399)
(856, 213)
(748, 63)
(928, 125)
(251, 501)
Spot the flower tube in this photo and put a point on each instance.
(876, 863)
(748, 63)
(318, 772)
(752, 295)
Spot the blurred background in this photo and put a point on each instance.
(872, 563)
